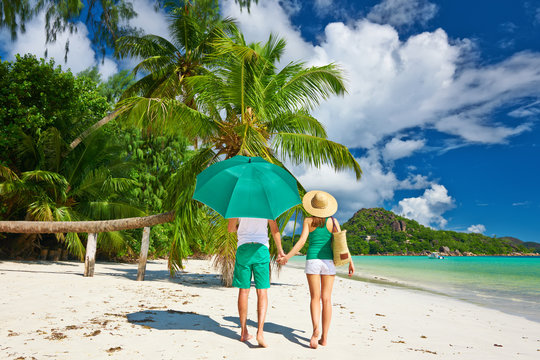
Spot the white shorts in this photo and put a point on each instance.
(320, 267)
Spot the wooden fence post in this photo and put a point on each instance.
(90, 257)
(144, 253)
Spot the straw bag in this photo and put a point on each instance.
(340, 249)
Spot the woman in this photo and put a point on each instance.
(320, 269)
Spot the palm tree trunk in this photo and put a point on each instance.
(90, 257)
(93, 128)
(48, 227)
(145, 244)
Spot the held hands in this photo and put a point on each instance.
(282, 258)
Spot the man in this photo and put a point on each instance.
(253, 258)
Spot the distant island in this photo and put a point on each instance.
(379, 231)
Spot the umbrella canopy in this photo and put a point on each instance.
(247, 187)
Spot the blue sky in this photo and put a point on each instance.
(443, 106)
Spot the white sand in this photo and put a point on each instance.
(50, 311)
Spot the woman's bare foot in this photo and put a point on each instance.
(260, 340)
(313, 342)
(322, 342)
(246, 336)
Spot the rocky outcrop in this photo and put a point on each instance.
(444, 249)
(398, 225)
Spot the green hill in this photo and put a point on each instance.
(378, 231)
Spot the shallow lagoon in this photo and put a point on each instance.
(509, 284)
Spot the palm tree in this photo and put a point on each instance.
(166, 63)
(246, 106)
(88, 183)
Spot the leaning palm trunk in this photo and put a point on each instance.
(40, 227)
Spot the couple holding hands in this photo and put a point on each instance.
(253, 259)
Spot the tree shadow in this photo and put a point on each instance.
(68, 271)
(182, 320)
(184, 278)
(287, 332)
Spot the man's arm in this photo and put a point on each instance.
(274, 229)
(233, 225)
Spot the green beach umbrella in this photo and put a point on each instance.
(247, 187)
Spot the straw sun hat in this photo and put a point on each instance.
(319, 203)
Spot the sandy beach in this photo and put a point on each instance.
(50, 311)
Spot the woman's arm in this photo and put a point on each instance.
(233, 225)
(300, 243)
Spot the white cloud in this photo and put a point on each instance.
(151, 21)
(291, 7)
(428, 208)
(80, 57)
(479, 229)
(532, 109)
(269, 17)
(425, 81)
(290, 227)
(397, 148)
(508, 27)
(322, 5)
(396, 85)
(400, 13)
(107, 68)
(377, 185)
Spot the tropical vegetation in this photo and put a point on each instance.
(42, 109)
(77, 147)
(232, 100)
(379, 231)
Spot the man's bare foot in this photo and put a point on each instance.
(246, 337)
(313, 342)
(322, 342)
(260, 340)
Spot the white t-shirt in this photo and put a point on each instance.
(252, 230)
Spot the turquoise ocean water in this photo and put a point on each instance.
(509, 284)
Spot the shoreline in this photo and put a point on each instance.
(51, 310)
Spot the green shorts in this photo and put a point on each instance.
(252, 258)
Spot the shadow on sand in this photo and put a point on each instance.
(184, 320)
(69, 267)
(184, 278)
(287, 332)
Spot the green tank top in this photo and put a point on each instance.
(320, 244)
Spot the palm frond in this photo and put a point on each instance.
(41, 209)
(7, 174)
(53, 183)
(107, 210)
(302, 148)
(180, 189)
(143, 46)
(165, 115)
(300, 122)
(75, 245)
(309, 86)
(113, 241)
(54, 146)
